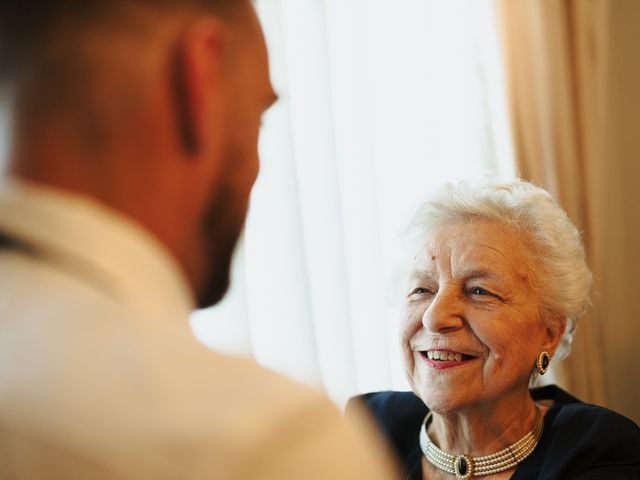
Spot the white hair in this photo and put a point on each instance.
(562, 279)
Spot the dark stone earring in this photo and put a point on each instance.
(542, 363)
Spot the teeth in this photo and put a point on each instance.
(450, 356)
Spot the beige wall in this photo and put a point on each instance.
(573, 72)
(616, 178)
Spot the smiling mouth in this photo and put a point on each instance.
(445, 356)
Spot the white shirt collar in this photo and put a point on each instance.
(124, 260)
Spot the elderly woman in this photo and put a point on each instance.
(492, 300)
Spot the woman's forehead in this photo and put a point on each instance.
(485, 248)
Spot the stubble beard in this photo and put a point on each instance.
(222, 225)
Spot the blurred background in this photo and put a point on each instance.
(379, 103)
(382, 101)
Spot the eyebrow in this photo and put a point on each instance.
(481, 274)
(422, 275)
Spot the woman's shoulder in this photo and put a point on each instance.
(567, 411)
(595, 419)
(580, 439)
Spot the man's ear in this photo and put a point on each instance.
(554, 334)
(197, 79)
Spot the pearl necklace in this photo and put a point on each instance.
(465, 466)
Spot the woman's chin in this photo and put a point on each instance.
(443, 402)
(445, 409)
(445, 390)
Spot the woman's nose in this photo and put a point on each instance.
(445, 312)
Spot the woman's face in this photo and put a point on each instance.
(471, 329)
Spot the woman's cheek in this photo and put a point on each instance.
(412, 318)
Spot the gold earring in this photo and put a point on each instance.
(542, 363)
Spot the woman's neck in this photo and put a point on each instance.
(486, 428)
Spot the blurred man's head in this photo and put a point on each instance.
(151, 106)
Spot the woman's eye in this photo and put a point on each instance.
(479, 291)
(419, 291)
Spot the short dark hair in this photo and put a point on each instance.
(28, 26)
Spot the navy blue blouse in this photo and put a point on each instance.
(579, 441)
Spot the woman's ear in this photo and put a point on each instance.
(198, 68)
(554, 332)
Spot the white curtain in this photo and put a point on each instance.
(379, 102)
